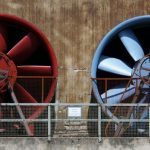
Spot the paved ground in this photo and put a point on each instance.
(73, 144)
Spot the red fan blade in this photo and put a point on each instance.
(23, 49)
(22, 95)
(3, 44)
(34, 70)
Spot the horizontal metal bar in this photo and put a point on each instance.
(25, 104)
(126, 120)
(35, 77)
(49, 104)
(127, 104)
(46, 120)
(87, 120)
(76, 137)
(73, 104)
(112, 79)
(22, 120)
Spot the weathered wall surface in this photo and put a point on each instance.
(75, 27)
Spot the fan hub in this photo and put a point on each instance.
(8, 72)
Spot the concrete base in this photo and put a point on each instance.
(73, 144)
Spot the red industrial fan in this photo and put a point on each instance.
(24, 51)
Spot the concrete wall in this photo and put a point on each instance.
(84, 144)
(75, 27)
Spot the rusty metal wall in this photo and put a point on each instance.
(75, 27)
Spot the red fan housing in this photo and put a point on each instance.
(24, 51)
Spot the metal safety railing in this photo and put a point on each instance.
(74, 120)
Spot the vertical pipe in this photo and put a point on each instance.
(49, 123)
(99, 124)
(149, 123)
(105, 90)
(42, 90)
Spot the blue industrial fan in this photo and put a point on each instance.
(123, 52)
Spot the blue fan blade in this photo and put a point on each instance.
(132, 45)
(114, 65)
(114, 95)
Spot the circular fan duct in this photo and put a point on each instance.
(24, 52)
(123, 53)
